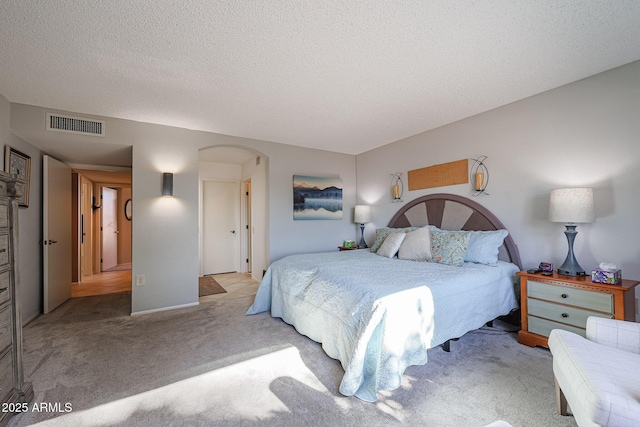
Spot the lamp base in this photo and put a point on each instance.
(569, 272)
(362, 244)
(570, 266)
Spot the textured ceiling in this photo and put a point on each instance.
(340, 75)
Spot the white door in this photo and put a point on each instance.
(57, 256)
(109, 228)
(220, 220)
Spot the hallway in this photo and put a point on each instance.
(107, 282)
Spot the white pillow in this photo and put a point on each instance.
(382, 233)
(391, 245)
(416, 246)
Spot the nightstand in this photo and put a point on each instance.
(565, 302)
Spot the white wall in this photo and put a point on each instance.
(219, 171)
(30, 220)
(582, 134)
(165, 229)
(288, 236)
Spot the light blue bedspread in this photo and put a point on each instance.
(378, 315)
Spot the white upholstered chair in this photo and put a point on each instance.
(599, 377)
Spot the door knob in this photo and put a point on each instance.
(233, 231)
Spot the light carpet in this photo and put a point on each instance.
(210, 365)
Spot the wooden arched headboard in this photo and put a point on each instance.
(453, 212)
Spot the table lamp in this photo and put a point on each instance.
(571, 206)
(362, 215)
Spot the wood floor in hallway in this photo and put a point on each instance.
(119, 280)
(107, 282)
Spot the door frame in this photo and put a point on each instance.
(85, 226)
(96, 234)
(246, 228)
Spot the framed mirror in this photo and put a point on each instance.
(128, 212)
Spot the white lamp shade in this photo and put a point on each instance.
(362, 214)
(572, 205)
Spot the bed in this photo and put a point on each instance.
(378, 315)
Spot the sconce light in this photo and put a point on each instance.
(479, 176)
(167, 184)
(396, 187)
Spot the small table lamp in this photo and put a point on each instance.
(362, 215)
(571, 206)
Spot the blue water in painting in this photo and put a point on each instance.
(318, 209)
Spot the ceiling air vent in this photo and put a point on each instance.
(74, 125)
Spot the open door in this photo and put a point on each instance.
(57, 231)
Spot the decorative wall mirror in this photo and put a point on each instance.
(128, 212)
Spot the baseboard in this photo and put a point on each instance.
(257, 276)
(26, 322)
(156, 310)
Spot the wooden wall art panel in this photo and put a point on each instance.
(451, 173)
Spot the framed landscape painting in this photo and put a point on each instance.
(316, 198)
(18, 163)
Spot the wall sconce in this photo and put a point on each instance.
(397, 188)
(479, 176)
(167, 184)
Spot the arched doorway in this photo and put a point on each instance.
(243, 172)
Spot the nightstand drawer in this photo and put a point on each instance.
(577, 297)
(543, 327)
(562, 313)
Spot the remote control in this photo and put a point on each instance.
(534, 270)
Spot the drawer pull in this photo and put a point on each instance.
(564, 296)
(3, 251)
(565, 315)
(3, 290)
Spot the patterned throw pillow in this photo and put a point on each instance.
(449, 247)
